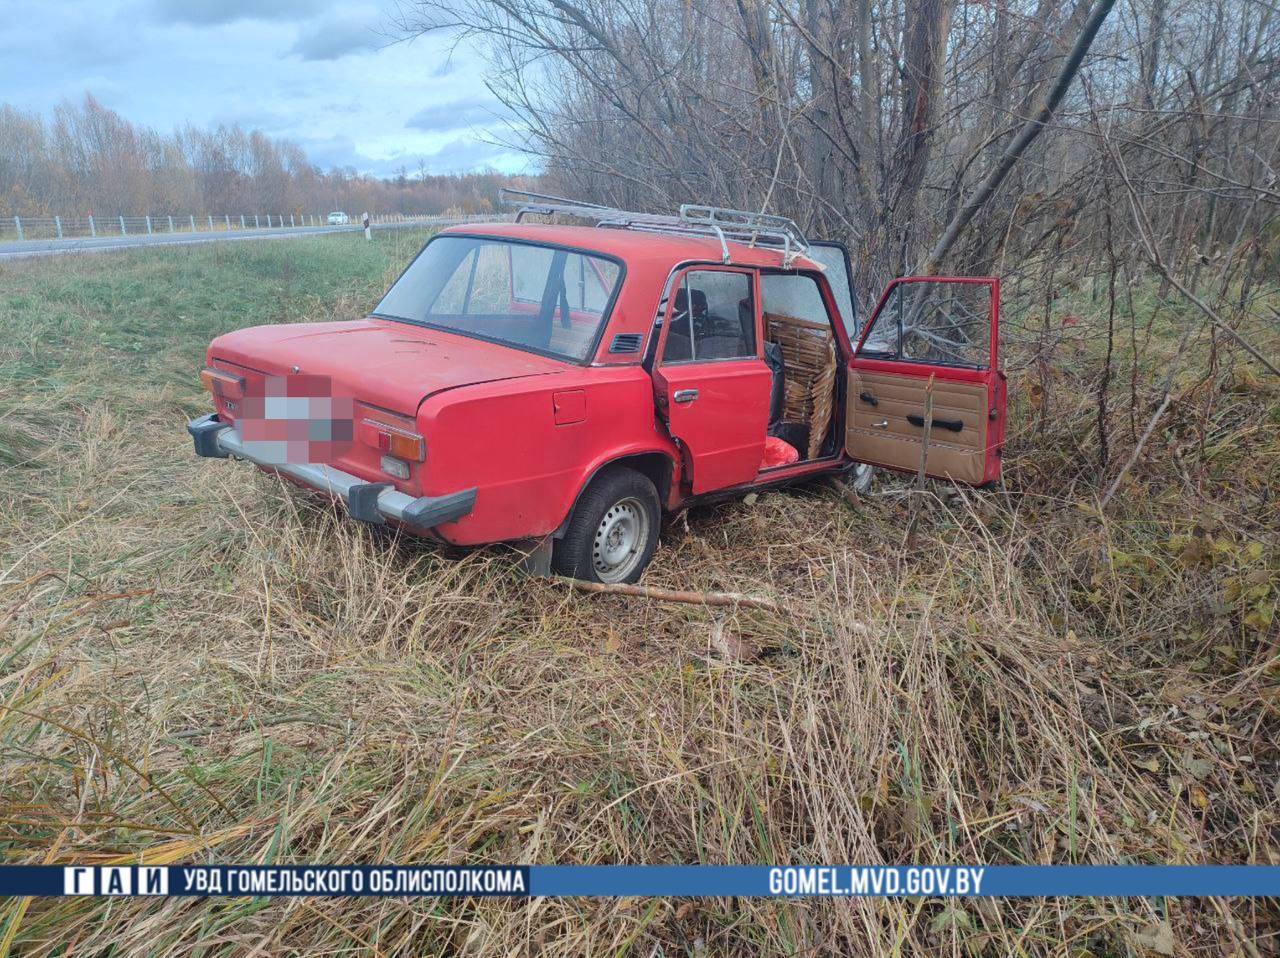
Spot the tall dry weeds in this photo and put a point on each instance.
(200, 665)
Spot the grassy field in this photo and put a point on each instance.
(197, 665)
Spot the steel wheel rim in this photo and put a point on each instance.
(620, 539)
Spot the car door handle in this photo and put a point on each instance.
(685, 395)
(882, 424)
(955, 425)
(869, 399)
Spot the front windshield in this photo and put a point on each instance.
(539, 298)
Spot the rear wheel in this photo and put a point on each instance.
(614, 529)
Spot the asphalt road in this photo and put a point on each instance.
(15, 249)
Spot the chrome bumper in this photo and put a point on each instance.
(373, 502)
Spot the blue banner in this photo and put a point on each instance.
(787, 881)
(929, 881)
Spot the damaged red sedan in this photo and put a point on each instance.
(566, 386)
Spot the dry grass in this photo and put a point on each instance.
(198, 665)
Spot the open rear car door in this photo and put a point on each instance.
(935, 335)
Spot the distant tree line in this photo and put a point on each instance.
(87, 158)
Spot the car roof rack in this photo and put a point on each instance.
(694, 219)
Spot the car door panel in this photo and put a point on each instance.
(723, 426)
(884, 433)
(717, 409)
(886, 401)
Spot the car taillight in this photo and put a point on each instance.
(398, 442)
(226, 385)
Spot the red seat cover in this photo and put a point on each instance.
(778, 452)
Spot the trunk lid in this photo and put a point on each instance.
(385, 369)
(379, 362)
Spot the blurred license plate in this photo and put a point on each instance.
(296, 419)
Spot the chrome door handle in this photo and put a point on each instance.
(882, 424)
(685, 395)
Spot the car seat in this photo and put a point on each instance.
(678, 346)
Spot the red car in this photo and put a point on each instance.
(567, 385)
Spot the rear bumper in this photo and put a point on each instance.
(373, 502)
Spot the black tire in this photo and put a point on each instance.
(620, 504)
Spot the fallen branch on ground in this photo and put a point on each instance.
(846, 492)
(673, 595)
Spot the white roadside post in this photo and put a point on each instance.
(368, 230)
(226, 221)
(18, 224)
(210, 223)
(148, 225)
(123, 231)
(92, 229)
(170, 224)
(193, 222)
(291, 222)
(242, 221)
(268, 221)
(57, 221)
(255, 220)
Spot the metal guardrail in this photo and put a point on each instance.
(80, 227)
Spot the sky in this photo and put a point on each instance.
(327, 74)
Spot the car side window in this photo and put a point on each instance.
(793, 294)
(596, 279)
(933, 321)
(713, 317)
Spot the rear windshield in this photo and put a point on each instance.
(539, 298)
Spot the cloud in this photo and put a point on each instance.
(339, 152)
(170, 63)
(331, 39)
(460, 155)
(465, 155)
(94, 39)
(458, 115)
(212, 12)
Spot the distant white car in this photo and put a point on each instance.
(339, 219)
